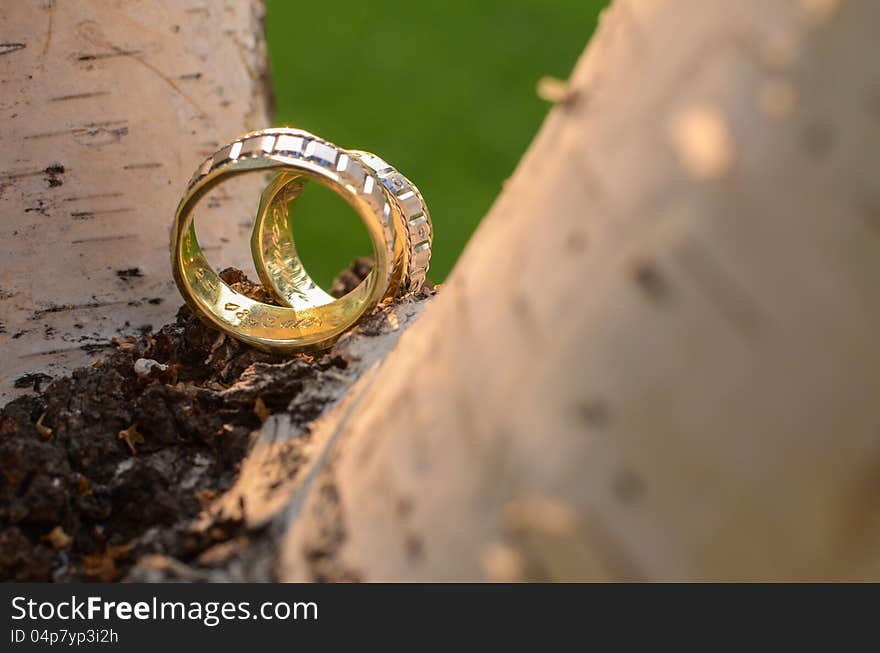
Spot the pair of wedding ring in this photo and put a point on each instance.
(308, 318)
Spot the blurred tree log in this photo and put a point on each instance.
(658, 357)
(106, 108)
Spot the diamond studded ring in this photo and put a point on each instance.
(310, 319)
(274, 249)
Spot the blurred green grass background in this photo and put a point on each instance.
(444, 91)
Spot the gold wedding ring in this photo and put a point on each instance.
(397, 222)
(274, 249)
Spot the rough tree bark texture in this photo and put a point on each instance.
(106, 107)
(657, 358)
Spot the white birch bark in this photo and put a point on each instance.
(106, 109)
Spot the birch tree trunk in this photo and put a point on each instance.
(106, 108)
(658, 357)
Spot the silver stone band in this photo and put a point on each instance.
(417, 219)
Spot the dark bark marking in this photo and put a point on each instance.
(88, 215)
(6, 48)
(116, 128)
(99, 239)
(627, 486)
(524, 312)
(65, 350)
(117, 52)
(32, 380)
(594, 413)
(63, 308)
(92, 197)
(141, 166)
(50, 10)
(649, 279)
(78, 96)
(53, 175)
(42, 208)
